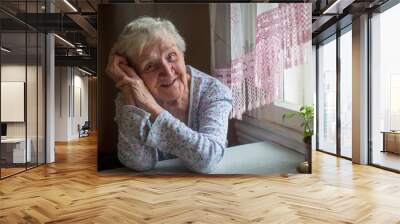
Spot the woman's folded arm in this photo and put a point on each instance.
(200, 150)
(132, 129)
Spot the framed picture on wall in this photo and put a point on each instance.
(12, 101)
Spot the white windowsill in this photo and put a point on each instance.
(286, 105)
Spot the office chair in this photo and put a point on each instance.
(84, 130)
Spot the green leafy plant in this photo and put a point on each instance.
(306, 112)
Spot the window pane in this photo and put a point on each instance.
(385, 88)
(346, 94)
(327, 97)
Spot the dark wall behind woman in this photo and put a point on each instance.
(193, 23)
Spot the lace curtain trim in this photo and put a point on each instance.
(254, 77)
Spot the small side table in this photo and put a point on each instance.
(391, 141)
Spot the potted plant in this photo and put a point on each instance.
(306, 112)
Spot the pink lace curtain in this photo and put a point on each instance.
(262, 40)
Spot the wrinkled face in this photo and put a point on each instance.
(162, 68)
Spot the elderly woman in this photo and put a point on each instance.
(165, 109)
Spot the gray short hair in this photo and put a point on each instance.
(141, 31)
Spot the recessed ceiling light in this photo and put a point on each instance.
(84, 71)
(65, 41)
(70, 5)
(5, 50)
(338, 6)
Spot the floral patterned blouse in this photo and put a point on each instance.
(200, 143)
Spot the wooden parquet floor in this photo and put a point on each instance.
(71, 191)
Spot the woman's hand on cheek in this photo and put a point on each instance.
(142, 96)
(128, 97)
(113, 69)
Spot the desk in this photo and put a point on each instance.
(391, 141)
(13, 150)
(254, 158)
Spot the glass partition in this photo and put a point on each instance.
(31, 100)
(41, 91)
(14, 152)
(32, 87)
(22, 88)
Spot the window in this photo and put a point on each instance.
(296, 87)
(327, 96)
(346, 93)
(394, 118)
(385, 86)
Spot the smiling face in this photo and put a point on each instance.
(161, 66)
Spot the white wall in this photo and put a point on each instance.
(12, 73)
(80, 100)
(61, 103)
(71, 94)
